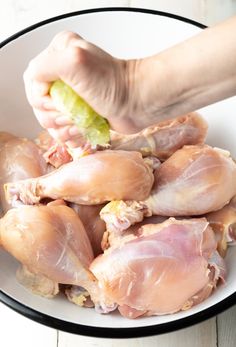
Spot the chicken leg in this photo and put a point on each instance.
(166, 268)
(90, 180)
(50, 240)
(164, 138)
(93, 224)
(19, 159)
(195, 180)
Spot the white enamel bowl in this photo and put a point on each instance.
(124, 33)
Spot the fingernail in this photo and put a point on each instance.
(48, 105)
(63, 120)
(73, 131)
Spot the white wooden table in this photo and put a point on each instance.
(16, 330)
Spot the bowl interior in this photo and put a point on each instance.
(127, 35)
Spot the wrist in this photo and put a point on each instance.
(139, 85)
(162, 89)
(126, 118)
(152, 88)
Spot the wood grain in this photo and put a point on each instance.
(19, 331)
(207, 12)
(226, 323)
(201, 335)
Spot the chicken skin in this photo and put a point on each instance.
(195, 180)
(127, 254)
(90, 180)
(164, 138)
(93, 224)
(223, 222)
(160, 140)
(19, 159)
(49, 240)
(166, 268)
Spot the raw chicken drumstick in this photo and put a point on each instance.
(50, 241)
(223, 222)
(195, 180)
(5, 137)
(95, 227)
(160, 140)
(90, 180)
(19, 159)
(164, 138)
(166, 268)
(111, 239)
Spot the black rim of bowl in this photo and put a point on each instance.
(99, 331)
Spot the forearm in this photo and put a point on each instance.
(188, 76)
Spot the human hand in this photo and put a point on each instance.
(101, 80)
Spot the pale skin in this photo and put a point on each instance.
(134, 94)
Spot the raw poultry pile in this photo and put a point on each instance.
(141, 227)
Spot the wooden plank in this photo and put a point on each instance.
(226, 323)
(201, 335)
(215, 11)
(207, 12)
(186, 8)
(17, 330)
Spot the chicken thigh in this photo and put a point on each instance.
(166, 268)
(90, 180)
(19, 159)
(195, 180)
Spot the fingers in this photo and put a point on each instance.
(61, 128)
(60, 134)
(63, 120)
(60, 60)
(46, 118)
(49, 65)
(43, 68)
(63, 39)
(52, 118)
(41, 71)
(37, 94)
(64, 133)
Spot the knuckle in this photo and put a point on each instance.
(76, 55)
(63, 39)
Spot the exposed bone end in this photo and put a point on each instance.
(22, 191)
(79, 296)
(120, 215)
